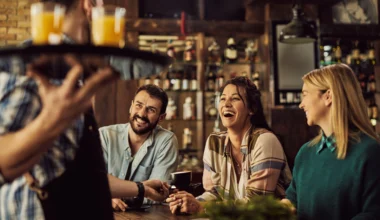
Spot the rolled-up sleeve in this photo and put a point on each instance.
(19, 104)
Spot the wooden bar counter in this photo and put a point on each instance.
(155, 212)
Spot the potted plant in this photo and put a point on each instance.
(258, 208)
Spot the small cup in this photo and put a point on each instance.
(108, 26)
(46, 22)
(181, 180)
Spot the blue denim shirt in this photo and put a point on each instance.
(155, 159)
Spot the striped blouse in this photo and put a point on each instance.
(264, 167)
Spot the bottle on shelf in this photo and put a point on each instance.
(211, 77)
(231, 53)
(321, 56)
(256, 79)
(371, 69)
(177, 79)
(154, 46)
(214, 54)
(372, 83)
(374, 112)
(355, 58)
(337, 53)
(371, 54)
(170, 127)
(219, 79)
(212, 111)
(188, 109)
(189, 53)
(186, 79)
(193, 81)
(187, 139)
(170, 50)
(171, 110)
(251, 51)
(157, 80)
(167, 84)
(147, 80)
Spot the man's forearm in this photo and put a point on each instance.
(122, 188)
(22, 149)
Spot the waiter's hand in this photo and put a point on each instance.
(118, 204)
(63, 104)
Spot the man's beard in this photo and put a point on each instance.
(145, 130)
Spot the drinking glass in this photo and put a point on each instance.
(46, 22)
(108, 26)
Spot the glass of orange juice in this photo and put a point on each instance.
(108, 26)
(46, 22)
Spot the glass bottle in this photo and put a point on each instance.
(211, 77)
(193, 81)
(187, 138)
(355, 58)
(371, 87)
(337, 53)
(214, 54)
(212, 111)
(189, 53)
(188, 109)
(170, 51)
(374, 113)
(154, 46)
(256, 79)
(231, 53)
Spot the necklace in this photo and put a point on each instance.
(236, 165)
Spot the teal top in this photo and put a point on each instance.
(324, 187)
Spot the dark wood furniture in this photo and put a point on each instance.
(156, 212)
(290, 126)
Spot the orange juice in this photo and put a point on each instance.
(43, 25)
(108, 31)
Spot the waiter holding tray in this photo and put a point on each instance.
(51, 162)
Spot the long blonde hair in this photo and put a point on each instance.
(348, 108)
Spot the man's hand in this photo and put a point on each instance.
(156, 190)
(183, 202)
(118, 204)
(63, 104)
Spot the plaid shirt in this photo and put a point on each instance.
(264, 167)
(19, 105)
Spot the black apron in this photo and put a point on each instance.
(82, 192)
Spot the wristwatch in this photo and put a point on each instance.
(138, 201)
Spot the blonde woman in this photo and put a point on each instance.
(245, 161)
(336, 175)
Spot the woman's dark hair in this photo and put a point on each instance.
(253, 100)
(157, 93)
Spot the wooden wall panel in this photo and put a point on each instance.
(291, 128)
(112, 105)
(105, 105)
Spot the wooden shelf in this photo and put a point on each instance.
(357, 32)
(173, 26)
(311, 2)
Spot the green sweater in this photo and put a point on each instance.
(326, 188)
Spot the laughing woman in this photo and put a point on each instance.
(245, 161)
(336, 175)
